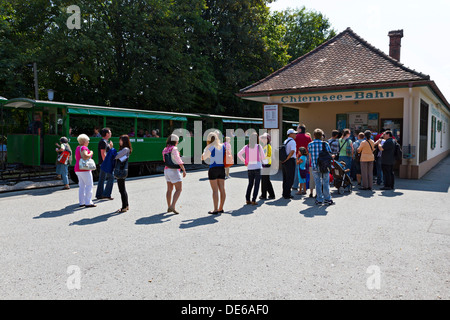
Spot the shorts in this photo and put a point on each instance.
(173, 175)
(215, 173)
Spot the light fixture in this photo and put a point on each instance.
(51, 94)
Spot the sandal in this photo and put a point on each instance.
(122, 210)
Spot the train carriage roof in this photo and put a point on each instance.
(84, 109)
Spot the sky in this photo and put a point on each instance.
(426, 27)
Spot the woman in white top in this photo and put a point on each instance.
(254, 155)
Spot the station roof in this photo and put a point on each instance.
(344, 62)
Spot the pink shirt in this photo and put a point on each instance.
(253, 156)
(78, 157)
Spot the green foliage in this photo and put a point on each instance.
(174, 55)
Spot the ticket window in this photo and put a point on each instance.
(358, 122)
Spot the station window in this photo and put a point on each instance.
(433, 132)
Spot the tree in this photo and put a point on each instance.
(305, 30)
(174, 55)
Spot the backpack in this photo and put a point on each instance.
(63, 157)
(324, 160)
(282, 153)
(169, 162)
(398, 152)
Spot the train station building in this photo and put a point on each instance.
(348, 83)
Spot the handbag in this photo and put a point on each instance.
(228, 159)
(121, 169)
(88, 164)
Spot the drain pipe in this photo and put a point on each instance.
(410, 132)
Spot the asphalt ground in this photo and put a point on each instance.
(369, 245)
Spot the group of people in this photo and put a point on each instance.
(108, 158)
(300, 164)
(142, 133)
(256, 156)
(303, 156)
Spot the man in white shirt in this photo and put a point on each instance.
(288, 166)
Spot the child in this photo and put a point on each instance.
(227, 146)
(302, 161)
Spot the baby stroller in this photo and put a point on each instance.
(341, 179)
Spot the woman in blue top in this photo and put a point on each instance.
(216, 174)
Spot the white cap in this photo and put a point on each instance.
(290, 131)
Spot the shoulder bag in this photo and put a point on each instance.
(88, 164)
(121, 169)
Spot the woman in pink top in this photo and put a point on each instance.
(172, 173)
(254, 155)
(85, 180)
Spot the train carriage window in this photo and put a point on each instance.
(120, 126)
(148, 128)
(85, 124)
(15, 121)
(170, 126)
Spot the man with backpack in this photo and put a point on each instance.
(321, 158)
(287, 158)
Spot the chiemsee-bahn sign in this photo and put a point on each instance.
(330, 97)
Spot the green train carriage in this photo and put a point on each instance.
(34, 145)
(29, 148)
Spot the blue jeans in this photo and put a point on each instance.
(103, 191)
(63, 170)
(295, 184)
(322, 180)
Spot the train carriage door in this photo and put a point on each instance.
(52, 131)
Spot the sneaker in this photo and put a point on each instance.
(318, 203)
(329, 202)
